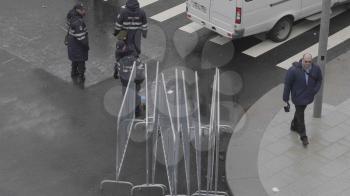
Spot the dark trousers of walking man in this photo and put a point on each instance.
(298, 123)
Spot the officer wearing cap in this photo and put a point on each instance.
(78, 43)
(133, 20)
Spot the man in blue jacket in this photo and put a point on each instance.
(78, 43)
(133, 20)
(303, 81)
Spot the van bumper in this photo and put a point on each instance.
(237, 33)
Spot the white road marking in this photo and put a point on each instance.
(268, 45)
(221, 40)
(333, 40)
(144, 3)
(298, 29)
(172, 12)
(191, 27)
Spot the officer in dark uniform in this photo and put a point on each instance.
(78, 43)
(121, 51)
(132, 19)
(126, 58)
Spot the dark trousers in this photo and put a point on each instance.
(137, 89)
(78, 69)
(134, 41)
(298, 121)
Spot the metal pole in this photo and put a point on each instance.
(322, 53)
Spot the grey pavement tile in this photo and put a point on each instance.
(330, 188)
(282, 117)
(345, 105)
(5, 56)
(287, 191)
(345, 193)
(345, 175)
(265, 156)
(267, 140)
(297, 153)
(335, 167)
(280, 146)
(336, 133)
(307, 183)
(318, 138)
(347, 122)
(345, 141)
(309, 164)
(275, 165)
(316, 145)
(279, 131)
(279, 180)
(334, 118)
(317, 124)
(333, 151)
(344, 110)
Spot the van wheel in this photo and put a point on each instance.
(281, 30)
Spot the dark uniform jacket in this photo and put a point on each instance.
(78, 41)
(295, 84)
(134, 21)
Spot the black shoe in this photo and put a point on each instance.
(304, 140)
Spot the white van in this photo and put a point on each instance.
(241, 18)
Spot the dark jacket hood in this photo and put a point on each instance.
(72, 14)
(132, 5)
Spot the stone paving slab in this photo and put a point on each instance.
(322, 168)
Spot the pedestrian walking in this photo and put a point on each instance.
(124, 66)
(133, 20)
(303, 81)
(77, 43)
(122, 50)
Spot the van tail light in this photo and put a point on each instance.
(238, 15)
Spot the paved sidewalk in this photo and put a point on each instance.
(265, 158)
(322, 168)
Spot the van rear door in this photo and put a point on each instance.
(199, 8)
(223, 14)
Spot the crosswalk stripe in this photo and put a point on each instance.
(172, 12)
(221, 40)
(333, 41)
(298, 29)
(144, 3)
(268, 45)
(191, 27)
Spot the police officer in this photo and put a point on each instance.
(122, 50)
(126, 58)
(132, 19)
(78, 43)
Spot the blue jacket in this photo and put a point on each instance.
(295, 84)
(132, 19)
(78, 41)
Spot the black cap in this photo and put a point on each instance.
(79, 6)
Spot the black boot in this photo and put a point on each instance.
(304, 140)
